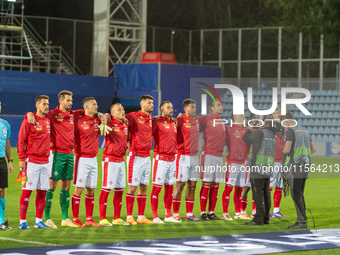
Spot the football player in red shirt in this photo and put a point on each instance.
(33, 151)
(276, 180)
(211, 159)
(164, 132)
(113, 174)
(187, 165)
(235, 164)
(85, 161)
(138, 161)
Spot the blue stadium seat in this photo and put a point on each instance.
(329, 123)
(337, 108)
(315, 130)
(323, 122)
(336, 115)
(320, 107)
(318, 93)
(335, 92)
(322, 100)
(270, 92)
(331, 138)
(244, 92)
(328, 100)
(268, 99)
(333, 131)
(310, 130)
(337, 138)
(332, 107)
(327, 131)
(254, 92)
(334, 99)
(325, 138)
(305, 122)
(247, 114)
(311, 100)
(330, 115)
(311, 122)
(319, 138)
(324, 115)
(338, 101)
(229, 106)
(316, 100)
(335, 123)
(324, 92)
(326, 107)
(319, 115)
(317, 122)
(313, 138)
(329, 92)
(315, 107)
(313, 92)
(338, 131)
(321, 130)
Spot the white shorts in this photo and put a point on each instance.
(85, 172)
(138, 170)
(113, 175)
(276, 179)
(187, 168)
(50, 163)
(37, 176)
(235, 174)
(211, 168)
(163, 172)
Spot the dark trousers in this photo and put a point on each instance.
(261, 195)
(297, 188)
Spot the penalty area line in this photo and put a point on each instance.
(23, 241)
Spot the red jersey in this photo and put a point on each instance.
(140, 128)
(164, 132)
(34, 140)
(213, 134)
(187, 135)
(116, 141)
(62, 129)
(86, 136)
(238, 150)
(279, 145)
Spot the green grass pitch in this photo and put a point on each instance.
(320, 195)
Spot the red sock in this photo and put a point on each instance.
(237, 199)
(24, 200)
(168, 189)
(204, 197)
(75, 206)
(141, 201)
(130, 200)
(103, 203)
(253, 203)
(226, 198)
(117, 202)
(154, 200)
(213, 194)
(89, 204)
(277, 197)
(244, 203)
(177, 205)
(40, 201)
(190, 205)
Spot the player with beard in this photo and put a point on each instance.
(138, 161)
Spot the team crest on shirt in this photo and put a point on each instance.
(38, 127)
(95, 121)
(141, 120)
(85, 125)
(237, 134)
(4, 131)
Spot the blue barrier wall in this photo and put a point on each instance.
(18, 90)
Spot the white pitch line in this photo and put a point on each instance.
(31, 242)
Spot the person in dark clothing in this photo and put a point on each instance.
(262, 142)
(298, 147)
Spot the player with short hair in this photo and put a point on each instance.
(138, 161)
(187, 160)
(5, 150)
(33, 151)
(85, 161)
(113, 174)
(236, 167)
(277, 180)
(164, 132)
(211, 159)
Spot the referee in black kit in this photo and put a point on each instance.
(261, 137)
(299, 148)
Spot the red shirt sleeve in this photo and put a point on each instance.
(131, 121)
(203, 122)
(22, 140)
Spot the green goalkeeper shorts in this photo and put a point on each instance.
(62, 167)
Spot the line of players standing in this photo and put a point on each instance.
(175, 161)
